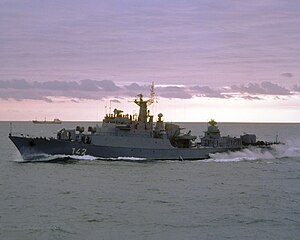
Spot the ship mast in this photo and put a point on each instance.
(143, 104)
(152, 94)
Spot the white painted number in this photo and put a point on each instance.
(78, 151)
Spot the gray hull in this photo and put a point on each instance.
(29, 147)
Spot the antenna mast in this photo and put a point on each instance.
(152, 93)
(10, 128)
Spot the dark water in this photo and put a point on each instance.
(246, 195)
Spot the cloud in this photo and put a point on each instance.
(23, 94)
(136, 87)
(15, 84)
(207, 92)
(173, 92)
(104, 89)
(251, 88)
(107, 85)
(296, 88)
(248, 97)
(265, 88)
(274, 89)
(89, 89)
(167, 40)
(288, 75)
(115, 101)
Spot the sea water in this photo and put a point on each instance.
(251, 194)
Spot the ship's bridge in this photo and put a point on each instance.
(118, 117)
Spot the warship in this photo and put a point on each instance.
(124, 136)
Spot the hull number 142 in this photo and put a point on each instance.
(78, 151)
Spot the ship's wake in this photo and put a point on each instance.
(243, 155)
(61, 158)
(277, 151)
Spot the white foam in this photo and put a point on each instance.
(84, 157)
(124, 159)
(43, 157)
(290, 149)
(16, 156)
(244, 155)
(48, 157)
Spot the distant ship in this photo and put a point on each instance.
(54, 121)
(124, 136)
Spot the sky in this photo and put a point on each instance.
(231, 60)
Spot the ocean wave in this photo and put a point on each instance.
(248, 154)
(52, 158)
(63, 157)
(290, 149)
(124, 159)
(276, 151)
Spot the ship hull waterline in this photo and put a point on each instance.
(31, 147)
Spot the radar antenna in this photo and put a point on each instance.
(212, 122)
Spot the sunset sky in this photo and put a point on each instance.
(234, 61)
